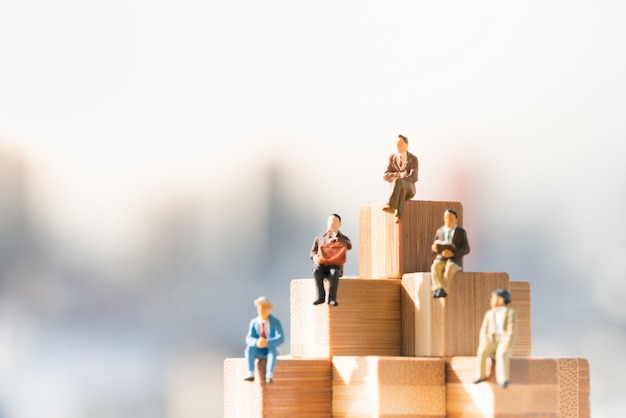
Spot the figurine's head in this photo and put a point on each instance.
(334, 223)
(450, 218)
(263, 306)
(500, 297)
(402, 144)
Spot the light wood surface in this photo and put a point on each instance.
(550, 387)
(300, 388)
(449, 326)
(388, 387)
(366, 322)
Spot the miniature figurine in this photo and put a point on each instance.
(402, 174)
(450, 245)
(497, 336)
(265, 334)
(328, 254)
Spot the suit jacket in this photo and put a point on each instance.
(324, 238)
(394, 170)
(488, 328)
(275, 335)
(459, 240)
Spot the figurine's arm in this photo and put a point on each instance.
(345, 240)
(252, 336)
(462, 245)
(314, 248)
(508, 338)
(277, 337)
(411, 174)
(391, 173)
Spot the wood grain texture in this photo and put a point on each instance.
(366, 322)
(389, 250)
(550, 387)
(449, 326)
(388, 387)
(300, 388)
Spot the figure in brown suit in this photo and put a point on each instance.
(402, 174)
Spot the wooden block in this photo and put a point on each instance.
(520, 295)
(388, 387)
(541, 387)
(366, 322)
(300, 388)
(449, 326)
(389, 250)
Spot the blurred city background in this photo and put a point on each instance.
(164, 163)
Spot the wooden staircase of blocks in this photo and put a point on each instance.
(391, 350)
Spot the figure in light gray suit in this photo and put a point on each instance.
(497, 336)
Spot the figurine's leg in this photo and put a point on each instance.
(448, 274)
(503, 359)
(272, 354)
(483, 353)
(436, 271)
(333, 278)
(319, 273)
(250, 354)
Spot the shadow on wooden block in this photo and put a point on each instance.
(388, 387)
(366, 322)
(389, 250)
(449, 326)
(300, 388)
(551, 387)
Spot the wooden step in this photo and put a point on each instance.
(539, 387)
(447, 327)
(366, 322)
(300, 388)
(388, 387)
(389, 250)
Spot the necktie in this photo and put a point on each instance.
(263, 329)
(449, 234)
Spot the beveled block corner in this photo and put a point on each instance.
(300, 388)
(389, 250)
(388, 387)
(450, 326)
(550, 387)
(366, 322)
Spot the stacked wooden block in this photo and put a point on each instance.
(390, 350)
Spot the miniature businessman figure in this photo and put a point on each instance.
(265, 334)
(329, 265)
(402, 174)
(450, 245)
(497, 336)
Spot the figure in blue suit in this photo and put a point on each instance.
(265, 334)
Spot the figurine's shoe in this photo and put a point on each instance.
(333, 303)
(269, 380)
(443, 294)
(319, 302)
(437, 293)
(504, 384)
(389, 209)
(249, 379)
(480, 380)
(398, 219)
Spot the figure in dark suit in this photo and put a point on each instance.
(450, 245)
(497, 336)
(331, 271)
(265, 334)
(402, 174)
